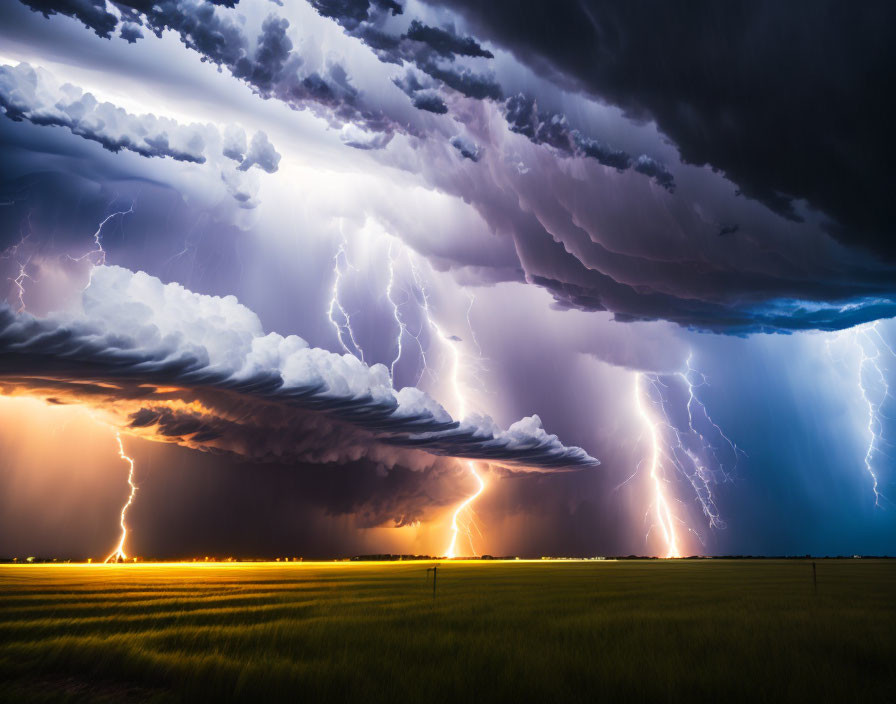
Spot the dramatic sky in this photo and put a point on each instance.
(328, 268)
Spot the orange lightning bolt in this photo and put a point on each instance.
(118, 554)
(461, 402)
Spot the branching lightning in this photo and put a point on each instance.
(458, 521)
(402, 328)
(343, 329)
(465, 507)
(462, 520)
(875, 355)
(118, 555)
(97, 256)
(660, 501)
(696, 449)
(18, 281)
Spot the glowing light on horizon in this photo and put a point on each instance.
(118, 555)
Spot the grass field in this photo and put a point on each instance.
(520, 631)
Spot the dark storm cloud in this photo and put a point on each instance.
(130, 32)
(826, 305)
(93, 14)
(645, 254)
(432, 50)
(198, 371)
(552, 129)
(787, 99)
(445, 42)
(272, 69)
(467, 149)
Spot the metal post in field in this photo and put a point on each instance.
(814, 579)
(432, 569)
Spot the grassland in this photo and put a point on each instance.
(556, 632)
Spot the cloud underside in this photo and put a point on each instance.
(196, 370)
(600, 227)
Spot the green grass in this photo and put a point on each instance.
(683, 631)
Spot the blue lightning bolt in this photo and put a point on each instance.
(872, 370)
(874, 389)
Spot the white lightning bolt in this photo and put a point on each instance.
(402, 328)
(872, 381)
(99, 252)
(871, 365)
(344, 328)
(694, 401)
(660, 501)
(118, 555)
(699, 450)
(460, 411)
(18, 281)
(341, 321)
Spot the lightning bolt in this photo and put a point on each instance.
(18, 282)
(345, 327)
(402, 328)
(461, 409)
(118, 555)
(99, 252)
(462, 520)
(460, 412)
(470, 324)
(698, 450)
(660, 501)
(458, 524)
(872, 381)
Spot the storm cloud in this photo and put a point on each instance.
(198, 370)
(786, 99)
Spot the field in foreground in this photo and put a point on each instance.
(540, 631)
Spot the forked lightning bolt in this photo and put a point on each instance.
(658, 482)
(874, 388)
(698, 449)
(340, 260)
(460, 412)
(18, 281)
(340, 319)
(98, 256)
(118, 555)
(402, 328)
